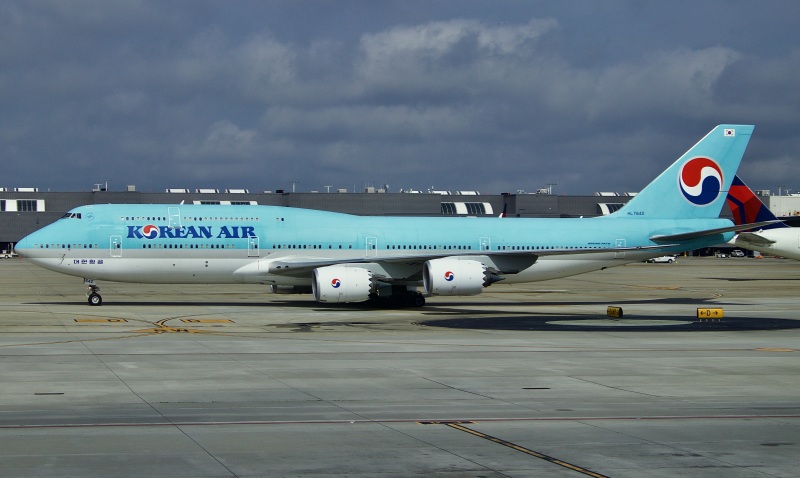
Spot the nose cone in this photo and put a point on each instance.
(25, 245)
(34, 243)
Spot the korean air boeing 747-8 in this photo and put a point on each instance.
(346, 258)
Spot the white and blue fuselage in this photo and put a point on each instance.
(347, 258)
(230, 244)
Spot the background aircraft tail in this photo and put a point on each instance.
(696, 185)
(747, 208)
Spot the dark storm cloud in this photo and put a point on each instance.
(493, 96)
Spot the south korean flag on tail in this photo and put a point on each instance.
(729, 132)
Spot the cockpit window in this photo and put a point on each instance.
(71, 215)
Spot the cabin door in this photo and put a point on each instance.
(252, 246)
(174, 217)
(371, 246)
(116, 246)
(621, 254)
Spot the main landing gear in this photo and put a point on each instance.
(92, 292)
(415, 299)
(402, 298)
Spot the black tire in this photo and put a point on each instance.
(417, 300)
(95, 299)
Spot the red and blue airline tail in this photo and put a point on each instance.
(747, 208)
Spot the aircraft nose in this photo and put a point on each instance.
(25, 245)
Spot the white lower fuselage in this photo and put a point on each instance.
(192, 267)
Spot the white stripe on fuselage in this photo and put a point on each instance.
(190, 267)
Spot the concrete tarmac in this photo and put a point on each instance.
(523, 380)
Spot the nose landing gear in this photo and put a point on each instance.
(92, 292)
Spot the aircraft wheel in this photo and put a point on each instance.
(95, 299)
(415, 299)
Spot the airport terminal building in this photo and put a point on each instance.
(24, 210)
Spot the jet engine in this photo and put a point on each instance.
(342, 284)
(455, 277)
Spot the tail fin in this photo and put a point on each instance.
(747, 208)
(695, 186)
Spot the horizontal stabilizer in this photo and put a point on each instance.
(688, 236)
(753, 238)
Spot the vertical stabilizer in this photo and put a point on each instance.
(696, 185)
(747, 208)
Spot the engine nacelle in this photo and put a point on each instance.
(455, 277)
(342, 284)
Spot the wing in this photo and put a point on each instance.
(408, 266)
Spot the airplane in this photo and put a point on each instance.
(342, 258)
(777, 239)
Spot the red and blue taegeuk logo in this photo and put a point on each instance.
(700, 181)
(449, 276)
(335, 283)
(150, 231)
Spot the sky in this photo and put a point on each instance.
(494, 96)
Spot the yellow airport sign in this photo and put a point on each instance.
(710, 313)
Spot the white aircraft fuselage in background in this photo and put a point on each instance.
(775, 239)
(784, 242)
